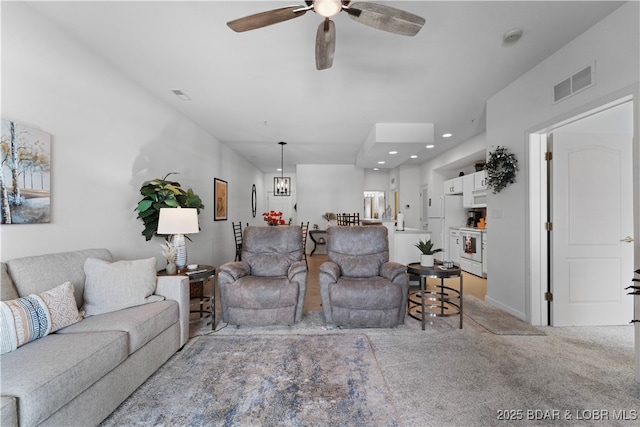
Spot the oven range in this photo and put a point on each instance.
(471, 251)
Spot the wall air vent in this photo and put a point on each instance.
(571, 85)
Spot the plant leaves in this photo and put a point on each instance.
(144, 205)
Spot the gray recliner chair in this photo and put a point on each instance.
(359, 287)
(269, 285)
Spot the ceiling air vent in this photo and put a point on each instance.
(574, 84)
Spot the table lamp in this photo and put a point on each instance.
(177, 222)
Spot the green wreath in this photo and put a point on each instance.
(501, 168)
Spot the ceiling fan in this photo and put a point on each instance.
(374, 15)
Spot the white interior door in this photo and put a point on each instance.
(591, 214)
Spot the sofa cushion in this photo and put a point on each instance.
(262, 292)
(372, 293)
(359, 251)
(112, 286)
(43, 387)
(28, 318)
(35, 274)
(141, 323)
(7, 288)
(9, 411)
(270, 251)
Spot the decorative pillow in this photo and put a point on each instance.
(112, 286)
(62, 307)
(28, 318)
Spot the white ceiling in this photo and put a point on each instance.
(253, 89)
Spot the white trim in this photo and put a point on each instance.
(535, 245)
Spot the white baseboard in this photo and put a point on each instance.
(520, 315)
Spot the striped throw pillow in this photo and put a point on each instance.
(28, 318)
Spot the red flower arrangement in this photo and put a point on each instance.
(273, 218)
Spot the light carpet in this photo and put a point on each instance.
(264, 380)
(442, 376)
(495, 320)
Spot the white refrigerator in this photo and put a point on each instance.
(444, 212)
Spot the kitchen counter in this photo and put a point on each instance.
(410, 231)
(470, 229)
(371, 221)
(402, 243)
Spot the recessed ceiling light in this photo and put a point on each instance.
(376, 169)
(393, 152)
(447, 135)
(414, 156)
(381, 162)
(279, 170)
(430, 146)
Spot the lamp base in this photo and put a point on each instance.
(181, 250)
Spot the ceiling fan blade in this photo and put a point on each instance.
(386, 18)
(325, 44)
(264, 19)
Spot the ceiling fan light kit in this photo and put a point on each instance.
(374, 15)
(327, 8)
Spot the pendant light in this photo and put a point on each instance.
(282, 184)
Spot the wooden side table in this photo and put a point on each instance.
(206, 302)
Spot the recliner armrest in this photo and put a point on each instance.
(232, 271)
(331, 269)
(296, 268)
(177, 288)
(390, 270)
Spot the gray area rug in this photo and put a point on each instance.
(495, 320)
(240, 380)
(442, 376)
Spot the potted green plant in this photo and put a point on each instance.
(161, 193)
(426, 247)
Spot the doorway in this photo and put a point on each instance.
(578, 268)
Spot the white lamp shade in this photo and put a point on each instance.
(178, 221)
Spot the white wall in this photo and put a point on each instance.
(410, 195)
(376, 180)
(526, 105)
(328, 188)
(449, 164)
(108, 137)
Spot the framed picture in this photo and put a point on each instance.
(220, 197)
(25, 174)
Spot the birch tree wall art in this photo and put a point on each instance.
(25, 174)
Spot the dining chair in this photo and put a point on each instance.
(237, 234)
(305, 232)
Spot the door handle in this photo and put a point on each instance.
(627, 239)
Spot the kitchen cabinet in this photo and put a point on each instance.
(454, 246)
(473, 188)
(484, 253)
(453, 186)
(476, 191)
(480, 180)
(467, 191)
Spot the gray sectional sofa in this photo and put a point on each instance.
(81, 373)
